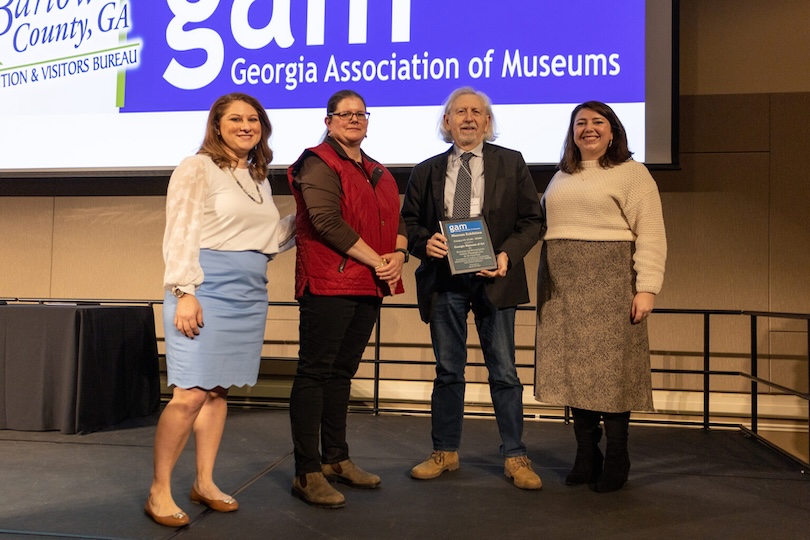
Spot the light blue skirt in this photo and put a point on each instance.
(228, 350)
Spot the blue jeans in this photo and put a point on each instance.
(496, 332)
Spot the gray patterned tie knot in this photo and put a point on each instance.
(461, 198)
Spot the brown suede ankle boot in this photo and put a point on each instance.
(350, 474)
(438, 462)
(314, 489)
(519, 469)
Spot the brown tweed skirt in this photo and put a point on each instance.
(588, 354)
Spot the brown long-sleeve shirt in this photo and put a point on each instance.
(320, 189)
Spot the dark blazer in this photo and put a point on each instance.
(511, 210)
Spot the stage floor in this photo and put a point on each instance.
(684, 483)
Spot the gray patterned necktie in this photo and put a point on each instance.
(461, 198)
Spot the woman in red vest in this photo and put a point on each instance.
(351, 245)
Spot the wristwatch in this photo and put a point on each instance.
(404, 252)
(176, 291)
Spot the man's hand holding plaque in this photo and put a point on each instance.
(469, 248)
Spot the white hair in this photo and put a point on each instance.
(490, 135)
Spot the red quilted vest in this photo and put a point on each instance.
(369, 203)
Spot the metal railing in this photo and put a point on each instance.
(756, 380)
(707, 373)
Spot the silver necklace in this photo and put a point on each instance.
(252, 198)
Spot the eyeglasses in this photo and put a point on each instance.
(349, 116)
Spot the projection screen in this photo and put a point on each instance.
(89, 87)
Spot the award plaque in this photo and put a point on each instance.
(469, 247)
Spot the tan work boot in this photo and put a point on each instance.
(520, 470)
(438, 462)
(350, 474)
(314, 489)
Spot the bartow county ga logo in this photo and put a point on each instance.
(37, 28)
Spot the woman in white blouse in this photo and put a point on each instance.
(222, 228)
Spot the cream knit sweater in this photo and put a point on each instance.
(616, 204)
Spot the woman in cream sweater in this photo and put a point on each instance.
(601, 265)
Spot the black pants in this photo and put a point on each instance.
(334, 332)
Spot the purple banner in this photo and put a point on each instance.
(294, 54)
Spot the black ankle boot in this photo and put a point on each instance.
(588, 463)
(617, 460)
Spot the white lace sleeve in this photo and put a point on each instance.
(286, 233)
(185, 204)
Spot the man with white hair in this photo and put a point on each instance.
(473, 179)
